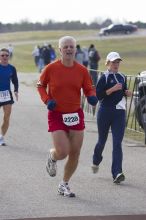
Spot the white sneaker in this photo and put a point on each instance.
(2, 142)
(95, 168)
(51, 166)
(64, 190)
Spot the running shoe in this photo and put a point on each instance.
(51, 166)
(95, 168)
(2, 142)
(119, 178)
(64, 190)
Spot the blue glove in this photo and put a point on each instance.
(51, 104)
(92, 100)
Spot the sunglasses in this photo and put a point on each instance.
(4, 55)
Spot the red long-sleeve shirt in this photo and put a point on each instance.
(63, 84)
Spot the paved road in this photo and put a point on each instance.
(26, 190)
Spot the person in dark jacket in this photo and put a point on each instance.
(93, 63)
(52, 53)
(46, 55)
(112, 91)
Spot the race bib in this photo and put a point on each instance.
(5, 96)
(71, 119)
(121, 104)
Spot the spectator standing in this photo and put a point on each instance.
(52, 53)
(93, 63)
(86, 56)
(111, 90)
(41, 59)
(11, 51)
(46, 55)
(36, 55)
(79, 56)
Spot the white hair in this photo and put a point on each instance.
(65, 38)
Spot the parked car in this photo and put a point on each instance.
(118, 29)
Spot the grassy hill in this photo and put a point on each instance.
(132, 50)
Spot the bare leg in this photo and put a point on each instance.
(76, 140)
(61, 145)
(6, 118)
(67, 145)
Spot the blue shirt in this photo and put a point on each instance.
(8, 74)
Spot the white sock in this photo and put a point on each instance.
(64, 183)
(51, 152)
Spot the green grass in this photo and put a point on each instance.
(132, 50)
(40, 35)
(136, 136)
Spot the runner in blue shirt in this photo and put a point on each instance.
(8, 74)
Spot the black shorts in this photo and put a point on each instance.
(8, 102)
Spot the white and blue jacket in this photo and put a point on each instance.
(106, 81)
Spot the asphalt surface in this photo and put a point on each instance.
(26, 190)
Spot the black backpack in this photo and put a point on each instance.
(94, 56)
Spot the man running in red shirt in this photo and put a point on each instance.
(60, 86)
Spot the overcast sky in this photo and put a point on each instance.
(62, 10)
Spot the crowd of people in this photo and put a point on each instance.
(43, 55)
(59, 86)
(89, 57)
